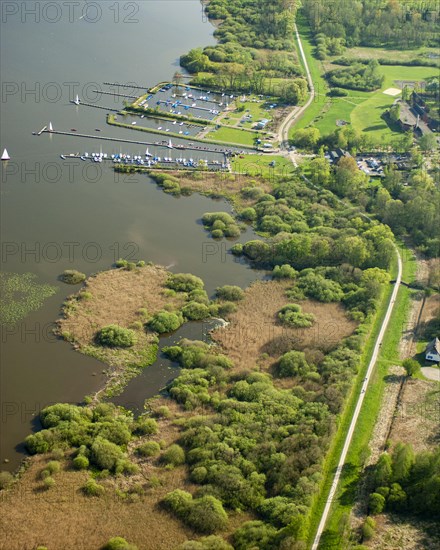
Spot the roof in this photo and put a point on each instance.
(433, 346)
(406, 115)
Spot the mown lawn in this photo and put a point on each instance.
(366, 117)
(233, 135)
(362, 109)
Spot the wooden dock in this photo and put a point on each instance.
(100, 107)
(146, 88)
(41, 131)
(114, 94)
(162, 143)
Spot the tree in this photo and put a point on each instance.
(307, 138)
(293, 363)
(383, 470)
(376, 503)
(428, 142)
(320, 171)
(411, 366)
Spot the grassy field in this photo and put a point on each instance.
(362, 109)
(233, 136)
(358, 451)
(259, 165)
(364, 52)
(366, 117)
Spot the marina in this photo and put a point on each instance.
(163, 143)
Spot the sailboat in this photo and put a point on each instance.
(76, 100)
(170, 144)
(147, 153)
(50, 127)
(5, 155)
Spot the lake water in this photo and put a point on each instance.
(57, 214)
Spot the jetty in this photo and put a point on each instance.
(115, 94)
(163, 143)
(100, 107)
(126, 85)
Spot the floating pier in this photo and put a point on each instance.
(126, 85)
(163, 143)
(100, 107)
(114, 94)
(42, 130)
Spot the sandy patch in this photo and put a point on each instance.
(392, 91)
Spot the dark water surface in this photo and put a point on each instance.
(59, 214)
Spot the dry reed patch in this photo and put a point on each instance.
(396, 532)
(418, 414)
(254, 328)
(63, 517)
(220, 183)
(116, 297)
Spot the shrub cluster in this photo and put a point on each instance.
(115, 336)
(221, 224)
(204, 514)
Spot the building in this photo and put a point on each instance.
(432, 352)
(411, 119)
(336, 155)
(262, 123)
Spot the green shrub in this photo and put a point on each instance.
(291, 315)
(178, 502)
(200, 296)
(232, 231)
(165, 321)
(146, 426)
(118, 543)
(231, 293)
(254, 534)
(57, 454)
(206, 515)
(41, 442)
(80, 462)
(121, 263)
(72, 277)
(104, 454)
(226, 308)
(49, 482)
(162, 412)
(198, 475)
(184, 282)
(411, 366)
(85, 295)
(321, 289)
(293, 363)
(174, 455)
(150, 448)
(212, 542)
(92, 489)
(284, 271)
(6, 478)
(217, 234)
(248, 214)
(368, 528)
(237, 249)
(211, 217)
(376, 503)
(53, 466)
(44, 474)
(195, 311)
(115, 336)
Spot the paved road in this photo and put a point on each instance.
(432, 373)
(283, 131)
(354, 419)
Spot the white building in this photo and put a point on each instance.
(432, 352)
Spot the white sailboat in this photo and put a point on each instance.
(50, 127)
(147, 153)
(170, 144)
(76, 101)
(5, 155)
